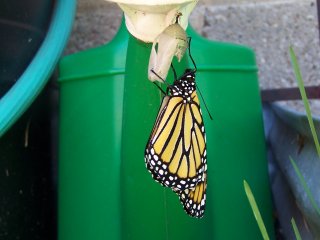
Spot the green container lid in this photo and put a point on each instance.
(108, 108)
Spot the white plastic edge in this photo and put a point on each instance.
(150, 2)
(146, 19)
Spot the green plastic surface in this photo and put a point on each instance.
(90, 142)
(105, 191)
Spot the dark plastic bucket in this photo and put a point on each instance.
(23, 26)
(27, 190)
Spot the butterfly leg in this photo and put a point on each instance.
(174, 72)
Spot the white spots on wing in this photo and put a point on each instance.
(159, 168)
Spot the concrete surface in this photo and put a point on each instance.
(267, 26)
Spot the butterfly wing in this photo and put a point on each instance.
(175, 154)
(194, 200)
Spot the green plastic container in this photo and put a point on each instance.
(108, 108)
(90, 142)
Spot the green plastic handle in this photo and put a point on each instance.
(21, 95)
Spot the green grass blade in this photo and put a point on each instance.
(295, 229)
(256, 211)
(304, 185)
(304, 98)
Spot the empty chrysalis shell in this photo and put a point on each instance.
(171, 42)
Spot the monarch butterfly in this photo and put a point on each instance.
(176, 151)
(175, 154)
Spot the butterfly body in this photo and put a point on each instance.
(175, 154)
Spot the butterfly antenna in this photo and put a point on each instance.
(195, 69)
(204, 102)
